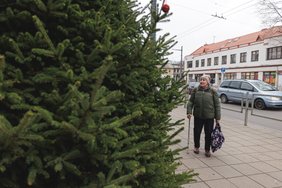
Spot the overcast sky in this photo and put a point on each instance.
(193, 24)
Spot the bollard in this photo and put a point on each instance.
(247, 109)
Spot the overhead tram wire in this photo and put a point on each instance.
(235, 11)
(196, 28)
(195, 10)
(232, 20)
(212, 20)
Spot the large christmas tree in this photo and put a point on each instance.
(82, 99)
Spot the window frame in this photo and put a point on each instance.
(197, 63)
(215, 60)
(274, 53)
(224, 59)
(254, 55)
(203, 62)
(189, 64)
(232, 58)
(243, 57)
(209, 60)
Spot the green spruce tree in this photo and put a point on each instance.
(82, 99)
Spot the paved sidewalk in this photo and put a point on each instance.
(251, 156)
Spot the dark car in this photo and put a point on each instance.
(191, 86)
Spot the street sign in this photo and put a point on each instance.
(222, 69)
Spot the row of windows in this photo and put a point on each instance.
(244, 75)
(268, 77)
(243, 59)
(272, 53)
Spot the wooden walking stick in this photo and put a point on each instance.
(188, 139)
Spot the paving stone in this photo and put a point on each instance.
(227, 171)
(266, 180)
(244, 182)
(220, 183)
(246, 169)
(207, 174)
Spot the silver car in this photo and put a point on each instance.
(191, 86)
(263, 94)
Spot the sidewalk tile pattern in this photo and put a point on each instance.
(251, 156)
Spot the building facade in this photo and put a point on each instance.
(173, 70)
(256, 55)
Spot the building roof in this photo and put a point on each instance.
(239, 41)
(168, 66)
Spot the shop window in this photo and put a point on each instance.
(269, 77)
(249, 75)
(197, 77)
(230, 76)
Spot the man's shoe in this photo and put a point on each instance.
(196, 150)
(208, 154)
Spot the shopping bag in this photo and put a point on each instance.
(217, 138)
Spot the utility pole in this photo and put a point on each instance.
(181, 60)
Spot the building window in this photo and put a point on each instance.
(202, 62)
(232, 58)
(249, 75)
(224, 60)
(255, 55)
(215, 60)
(274, 53)
(197, 63)
(197, 77)
(189, 64)
(209, 62)
(230, 76)
(190, 77)
(269, 77)
(243, 57)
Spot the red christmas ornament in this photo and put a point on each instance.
(165, 8)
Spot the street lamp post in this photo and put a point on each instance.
(181, 60)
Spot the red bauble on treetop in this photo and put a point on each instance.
(165, 8)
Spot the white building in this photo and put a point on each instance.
(172, 69)
(253, 56)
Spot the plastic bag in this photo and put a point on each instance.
(217, 138)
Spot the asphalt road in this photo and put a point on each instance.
(270, 117)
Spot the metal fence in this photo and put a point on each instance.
(247, 104)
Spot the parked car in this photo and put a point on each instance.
(191, 86)
(265, 95)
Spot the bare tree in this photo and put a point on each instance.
(271, 12)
